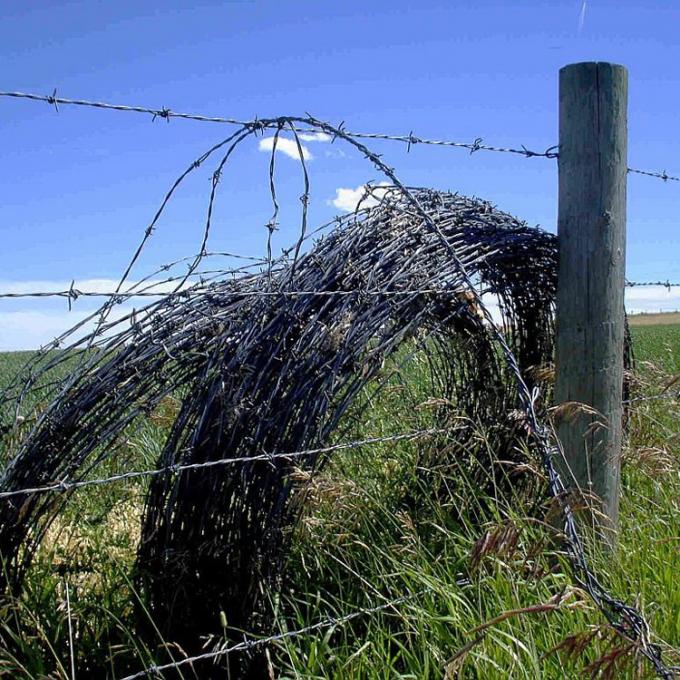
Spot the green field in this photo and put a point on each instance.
(359, 545)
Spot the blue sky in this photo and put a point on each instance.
(79, 186)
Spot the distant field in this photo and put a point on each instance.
(664, 319)
(659, 344)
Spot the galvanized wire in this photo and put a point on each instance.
(74, 293)
(665, 284)
(248, 645)
(409, 140)
(66, 485)
(662, 175)
(670, 395)
(166, 114)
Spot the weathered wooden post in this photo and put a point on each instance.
(590, 305)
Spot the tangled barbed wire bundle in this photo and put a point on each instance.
(267, 359)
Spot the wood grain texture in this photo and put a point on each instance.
(591, 277)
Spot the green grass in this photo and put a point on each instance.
(370, 550)
(659, 345)
(377, 527)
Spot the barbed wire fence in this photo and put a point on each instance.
(154, 290)
(221, 294)
(247, 645)
(409, 140)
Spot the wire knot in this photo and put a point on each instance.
(412, 139)
(476, 145)
(162, 113)
(52, 99)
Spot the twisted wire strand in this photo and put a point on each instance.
(246, 645)
(257, 124)
(662, 175)
(409, 140)
(74, 293)
(664, 284)
(65, 485)
(672, 395)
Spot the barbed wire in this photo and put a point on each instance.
(474, 146)
(246, 645)
(65, 485)
(664, 284)
(654, 397)
(409, 140)
(663, 175)
(74, 293)
(622, 617)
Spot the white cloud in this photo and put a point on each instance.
(314, 137)
(27, 329)
(349, 199)
(335, 153)
(287, 147)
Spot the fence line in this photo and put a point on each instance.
(165, 113)
(73, 293)
(665, 284)
(409, 140)
(65, 485)
(247, 645)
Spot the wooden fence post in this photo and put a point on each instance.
(590, 305)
